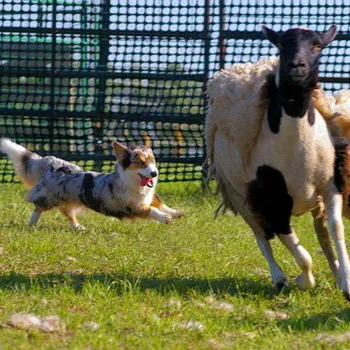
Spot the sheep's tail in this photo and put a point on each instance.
(21, 158)
(211, 172)
(220, 187)
(209, 175)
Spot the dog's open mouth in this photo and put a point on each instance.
(146, 181)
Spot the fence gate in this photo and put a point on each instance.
(76, 75)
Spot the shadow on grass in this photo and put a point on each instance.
(123, 283)
(327, 321)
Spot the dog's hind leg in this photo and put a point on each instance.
(157, 203)
(69, 211)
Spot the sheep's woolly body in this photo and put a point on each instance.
(239, 139)
(238, 102)
(335, 109)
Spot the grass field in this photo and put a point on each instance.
(194, 284)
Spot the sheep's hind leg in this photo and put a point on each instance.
(334, 204)
(278, 277)
(320, 224)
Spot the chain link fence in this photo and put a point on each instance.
(76, 75)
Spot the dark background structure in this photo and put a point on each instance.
(78, 74)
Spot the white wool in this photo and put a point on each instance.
(236, 103)
(342, 96)
(239, 139)
(242, 79)
(342, 100)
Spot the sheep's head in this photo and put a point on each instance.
(300, 51)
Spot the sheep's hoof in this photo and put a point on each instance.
(78, 227)
(347, 296)
(281, 284)
(305, 282)
(345, 287)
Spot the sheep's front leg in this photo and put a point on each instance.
(305, 280)
(320, 225)
(278, 277)
(334, 204)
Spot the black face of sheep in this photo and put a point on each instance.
(299, 53)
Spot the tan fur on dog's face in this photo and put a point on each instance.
(141, 158)
(139, 155)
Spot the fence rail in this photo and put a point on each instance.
(76, 75)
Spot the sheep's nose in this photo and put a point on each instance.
(297, 64)
(154, 173)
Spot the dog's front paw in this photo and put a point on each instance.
(165, 219)
(179, 213)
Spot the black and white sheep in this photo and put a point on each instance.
(271, 151)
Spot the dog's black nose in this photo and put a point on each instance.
(154, 173)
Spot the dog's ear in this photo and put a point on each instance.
(120, 151)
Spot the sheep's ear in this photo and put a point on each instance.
(120, 151)
(329, 35)
(271, 35)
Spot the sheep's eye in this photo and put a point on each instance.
(317, 47)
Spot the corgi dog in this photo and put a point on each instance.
(129, 191)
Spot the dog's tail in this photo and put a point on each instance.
(26, 168)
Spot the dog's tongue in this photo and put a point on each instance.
(146, 181)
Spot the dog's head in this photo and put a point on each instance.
(138, 163)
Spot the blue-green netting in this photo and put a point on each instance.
(76, 75)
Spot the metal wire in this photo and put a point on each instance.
(76, 75)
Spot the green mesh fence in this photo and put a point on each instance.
(76, 75)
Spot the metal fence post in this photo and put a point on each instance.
(222, 40)
(101, 87)
(207, 45)
(51, 119)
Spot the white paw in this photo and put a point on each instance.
(178, 213)
(165, 218)
(305, 282)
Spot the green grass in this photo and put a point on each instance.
(140, 280)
